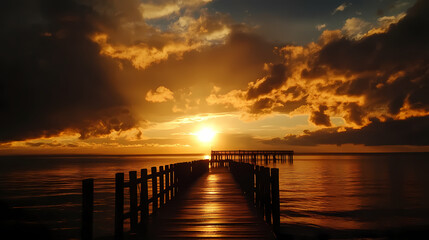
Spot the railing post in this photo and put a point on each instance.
(167, 183)
(267, 193)
(252, 184)
(119, 206)
(154, 190)
(161, 186)
(133, 201)
(87, 208)
(176, 179)
(259, 190)
(144, 204)
(275, 193)
(172, 180)
(179, 169)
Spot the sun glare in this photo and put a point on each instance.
(206, 135)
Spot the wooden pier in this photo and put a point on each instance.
(217, 199)
(253, 156)
(213, 208)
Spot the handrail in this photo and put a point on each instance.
(261, 187)
(167, 183)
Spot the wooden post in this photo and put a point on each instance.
(275, 193)
(133, 201)
(267, 193)
(172, 180)
(257, 189)
(161, 186)
(144, 204)
(167, 183)
(154, 190)
(119, 206)
(176, 178)
(87, 208)
(249, 178)
(252, 184)
(261, 191)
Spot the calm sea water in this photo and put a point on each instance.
(343, 196)
(355, 196)
(48, 188)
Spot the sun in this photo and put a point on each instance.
(206, 134)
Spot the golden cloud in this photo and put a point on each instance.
(142, 55)
(345, 74)
(161, 94)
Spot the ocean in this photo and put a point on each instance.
(358, 196)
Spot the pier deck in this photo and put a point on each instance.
(213, 208)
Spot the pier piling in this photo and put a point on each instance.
(87, 208)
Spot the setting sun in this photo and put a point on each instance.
(206, 134)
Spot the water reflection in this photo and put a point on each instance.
(48, 188)
(355, 192)
(340, 192)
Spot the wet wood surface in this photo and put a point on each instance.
(213, 208)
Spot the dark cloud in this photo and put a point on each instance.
(387, 72)
(355, 113)
(275, 79)
(390, 69)
(53, 78)
(43, 144)
(379, 76)
(289, 106)
(320, 117)
(403, 45)
(262, 105)
(411, 131)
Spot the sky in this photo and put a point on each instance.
(167, 76)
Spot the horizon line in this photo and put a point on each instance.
(197, 154)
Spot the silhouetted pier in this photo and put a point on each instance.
(253, 156)
(199, 199)
(213, 208)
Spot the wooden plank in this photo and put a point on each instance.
(144, 195)
(267, 194)
(167, 183)
(154, 190)
(119, 206)
(275, 194)
(212, 208)
(133, 201)
(87, 208)
(161, 186)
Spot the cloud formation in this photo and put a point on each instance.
(411, 131)
(161, 94)
(94, 68)
(320, 26)
(53, 78)
(165, 8)
(341, 8)
(359, 75)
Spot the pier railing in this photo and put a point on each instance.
(254, 156)
(261, 187)
(165, 185)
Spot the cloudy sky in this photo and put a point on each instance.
(130, 76)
